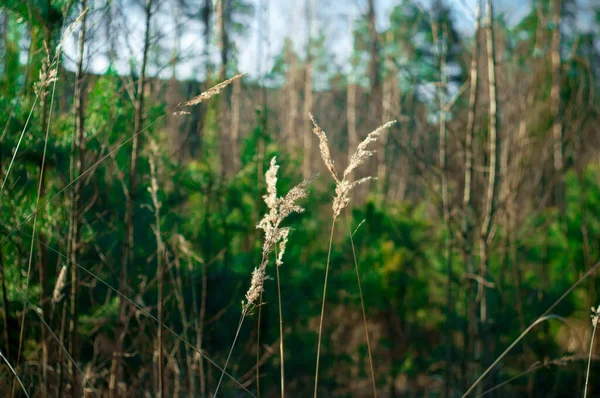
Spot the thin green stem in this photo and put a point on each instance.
(323, 307)
(362, 304)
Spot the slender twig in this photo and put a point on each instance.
(362, 304)
(323, 308)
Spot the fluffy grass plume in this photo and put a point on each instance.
(279, 209)
(344, 186)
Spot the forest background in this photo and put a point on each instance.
(130, 201)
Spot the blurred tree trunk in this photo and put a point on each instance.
(388, 106)
(203, 107)
(555, 102)
(235, 125)
(308, 90)
(490, 188)
(224, 135)
(77, 166)
(130, 199)
(351, 116)
(373, 70)
(443, 160)
(223, 10)
(291, 94)
(467, 207)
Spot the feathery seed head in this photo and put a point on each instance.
(279, 209)
(282, 243)
(271, 179)
(256, 287)
(211, 92)
(324, 148)
(362, 153)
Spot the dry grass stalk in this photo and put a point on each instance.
(341, 200)
(48, 74)
(275, 234)
(595, 318)
(211, 92)
(279, 209)
(344, 186)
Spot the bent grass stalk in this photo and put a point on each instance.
(510, 347)
(542, 317)
(343, 188)
(14, 373)
(563, 361)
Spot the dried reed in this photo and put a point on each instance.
(275, 234)
(343, 188)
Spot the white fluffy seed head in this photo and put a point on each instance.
(279, 209)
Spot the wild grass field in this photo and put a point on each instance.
(233, 198)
